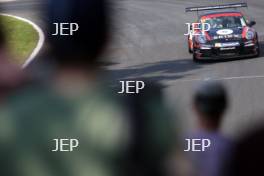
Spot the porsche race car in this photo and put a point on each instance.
(230, 35)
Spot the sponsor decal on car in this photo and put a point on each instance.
(225, 32)
(229, 44)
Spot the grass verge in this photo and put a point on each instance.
(21, 38)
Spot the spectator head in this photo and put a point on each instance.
(210, 102)
(84, 47)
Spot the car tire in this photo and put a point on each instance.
(194, 57)
(258, 50)
(189, 49)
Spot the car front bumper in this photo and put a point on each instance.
(242, 50)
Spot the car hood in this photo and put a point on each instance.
(227, 33)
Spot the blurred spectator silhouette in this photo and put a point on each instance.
(74, 103)
(210, 102)
(248, 156)
(71, 104)
(153, 139)
(10, 74)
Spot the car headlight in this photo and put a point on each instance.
(201, 39)
(250, 35)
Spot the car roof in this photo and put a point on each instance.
(219, 13)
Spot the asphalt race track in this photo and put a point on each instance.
(29, 9)
(149, 41)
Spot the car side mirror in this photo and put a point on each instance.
(252, 23)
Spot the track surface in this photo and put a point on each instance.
(29, 9)
(149, 42)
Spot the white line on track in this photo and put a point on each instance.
(7, 0)
(40, 41)
(221, 79)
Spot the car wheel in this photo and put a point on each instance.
(194, 57)
(190, 49)
(258, 50)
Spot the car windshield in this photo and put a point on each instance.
(225, 22)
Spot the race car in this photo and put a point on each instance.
(230, 35)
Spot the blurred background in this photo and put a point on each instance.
(145, 41)
(148, 41)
